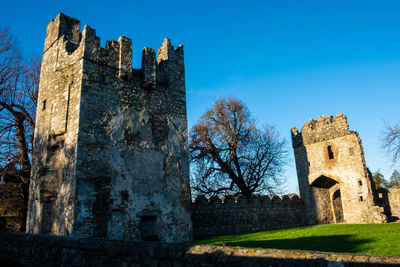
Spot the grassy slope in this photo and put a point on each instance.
(378, 239)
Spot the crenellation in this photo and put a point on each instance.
(275, 198)
(297, 139)
(149, 66)
(286, 198)
(166, 51)
(125, 57)
(166, 68)
(62, 26)
(228, 200)
(215, 200)
(294, 197)
(170, 66)
(322, 129)
(241, 199)
(265, 199)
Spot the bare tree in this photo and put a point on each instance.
(19, 82)
(230, 155)
(391, 141)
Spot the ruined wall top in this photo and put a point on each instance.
(201, 200)
(116, 54)
(324, 128)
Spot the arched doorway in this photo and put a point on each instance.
(327, 200)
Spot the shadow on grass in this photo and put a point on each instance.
(334, 243)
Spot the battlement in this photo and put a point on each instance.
(62, 27)
(115, 54)
(324, 128)
(201, 200)
(215, 216)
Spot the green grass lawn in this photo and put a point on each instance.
(378, 239)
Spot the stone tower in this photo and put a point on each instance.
(334, 181)
(110, 150)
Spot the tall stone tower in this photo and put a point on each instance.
(334, 181)
(110, 150)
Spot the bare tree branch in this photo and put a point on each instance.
(391, 141)
(19, 83)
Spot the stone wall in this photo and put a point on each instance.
(18, 249)
(394, 201)
(240, 215)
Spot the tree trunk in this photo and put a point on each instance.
(25, 190)
(244, 189)
(25, 166)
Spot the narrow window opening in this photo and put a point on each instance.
(148, 228)
(330, 153)
(44, 105)
(351, 151)
(361, 198)
(309, 164)
(359, 183)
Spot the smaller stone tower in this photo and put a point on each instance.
(334, 181)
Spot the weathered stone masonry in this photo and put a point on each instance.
(110, 151)
(334, 181)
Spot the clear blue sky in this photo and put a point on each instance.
(288, 60)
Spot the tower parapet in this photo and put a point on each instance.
(321, 129)
(165, 67)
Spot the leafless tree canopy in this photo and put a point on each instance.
(19, 82)
(391, 141)
(230, 155)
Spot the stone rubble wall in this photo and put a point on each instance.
(394, 201)
(45, 250)
(232, 216)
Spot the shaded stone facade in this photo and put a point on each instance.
(390, 201)
(215, 216)
(110, 150)
(394, 201)
(334, 181)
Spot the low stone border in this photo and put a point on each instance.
(47, 250)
